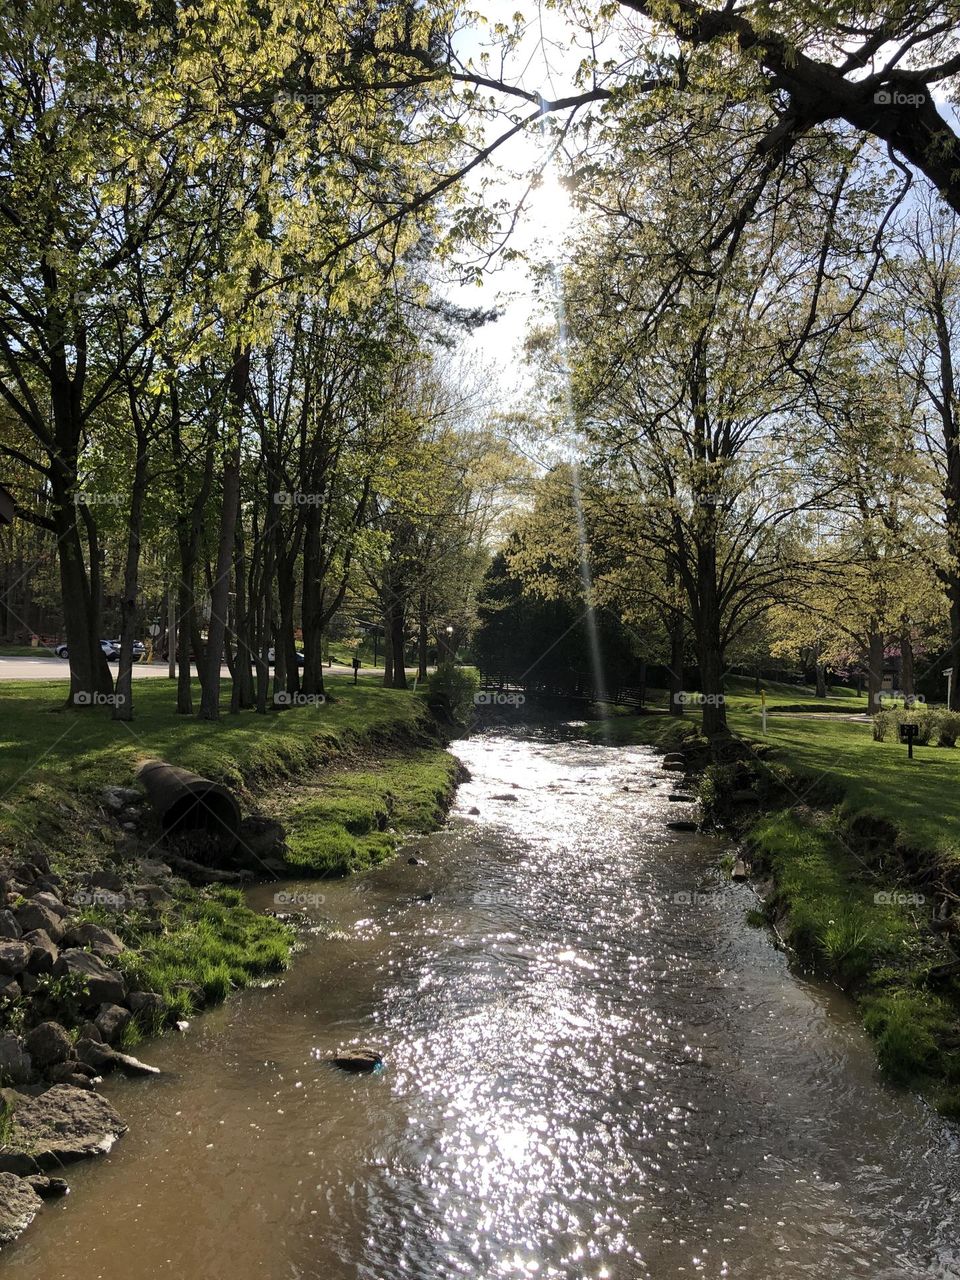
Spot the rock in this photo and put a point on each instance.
(29, 982)
(681, 826)
(43, 951)
(416, 862)
(682, 799)
(358, 1060)
(153, 870)
(153, 894)
(103, 1058)
(261, 837)
(741, 870)
(34, 915)
(744, 796)
(90, 1031)
(8, 925)
(50, 901)
(63, 1124)
(101, 941)
(674, 766)
(507, 796)
(76, 1074)
(16, 1066)
(675, 757)
(14, 955)
(19, 1205)
(10, 988)
(103, 985)
(148, 1003)
(111, 1020)
(116, 798)
(108, 880)
(47, 1188)
(473, 811)
(49, 1044)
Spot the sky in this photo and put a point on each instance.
(544, 63)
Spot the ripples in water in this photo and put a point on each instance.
(595, 1069)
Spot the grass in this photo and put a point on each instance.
(54, 759)
(26, 651)
(919, 798)
(354, 818)
(214, 945)
(827, 873)
(880, 951)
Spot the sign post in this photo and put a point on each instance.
(907, 734)
(763, 710)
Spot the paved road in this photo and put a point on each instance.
(53, 668)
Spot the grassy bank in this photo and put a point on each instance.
(873, 938)
(858, 846)
(354, 818)
(347, 780)
(54, 757)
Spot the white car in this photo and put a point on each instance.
(111, 649)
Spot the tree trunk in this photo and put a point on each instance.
(220, 593)
(676, 664)
(387, 652)
(907, 682)
(821, 674)
(123, 698)
(422, 638)
(90, 678)
(244, 669)
(874, 671)
(171, 636)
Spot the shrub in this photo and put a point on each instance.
(934, 724)
(450, 691)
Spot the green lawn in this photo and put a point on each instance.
(26, 651)
(53, 756)
(921, 796)
(351, 819)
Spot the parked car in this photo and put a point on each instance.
(111, 649)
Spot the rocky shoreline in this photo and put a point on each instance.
(72, 996)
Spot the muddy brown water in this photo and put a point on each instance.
(594, 1069)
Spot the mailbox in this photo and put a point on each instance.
(907, 734)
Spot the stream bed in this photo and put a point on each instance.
(594, 1069)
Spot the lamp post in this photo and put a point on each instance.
(449, 631)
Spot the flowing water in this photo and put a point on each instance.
(594, 1068)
